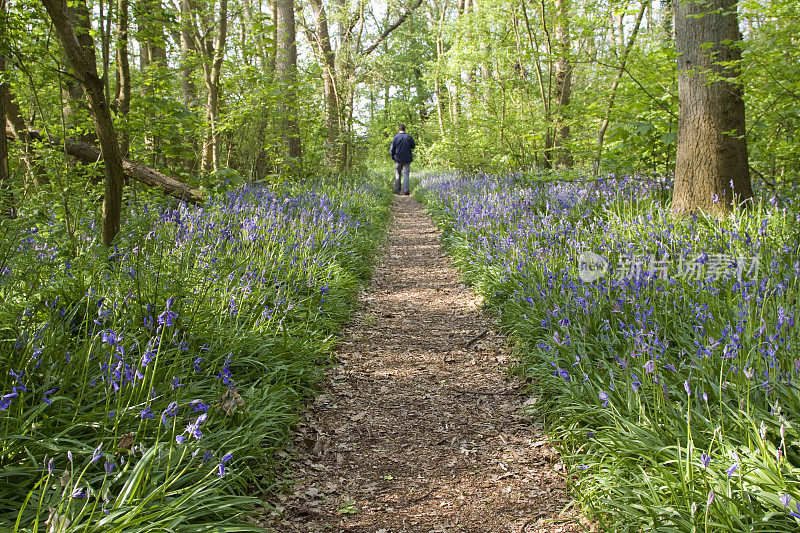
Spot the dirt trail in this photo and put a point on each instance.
(418, 429)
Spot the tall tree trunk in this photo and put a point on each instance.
(331, 86)
(73, 26)
(258, 36)
(74, 103)
(563, 85)
(150, 19)
(613, 91)
(123, 98)
(7, 204)
(188, 62)
(437, 84)
(286, 68)
(711, 169)
(211, 151)
(188, 89)
(208, 27)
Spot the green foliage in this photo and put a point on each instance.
(772, 86)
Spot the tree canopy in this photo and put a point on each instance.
(215, 92)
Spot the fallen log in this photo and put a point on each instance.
(87, 154)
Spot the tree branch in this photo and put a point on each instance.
(391, 28)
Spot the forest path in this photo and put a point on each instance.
(419, 428)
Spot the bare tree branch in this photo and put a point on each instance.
(391, 28)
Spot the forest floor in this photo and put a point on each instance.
(419, 428)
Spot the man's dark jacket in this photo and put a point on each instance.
(402, 144)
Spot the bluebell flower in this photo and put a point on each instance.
(193, 428)
(796, 512)
(98, 453)
(109, 337)
(199, 406)
(635, 383)
(705, 459)
(169, 411)
(167, 317)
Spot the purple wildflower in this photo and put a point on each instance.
(169, 411)
(796, 512)
(198, 406)
(167, 317)
(45, 398)
(193, 428)
(705, 459)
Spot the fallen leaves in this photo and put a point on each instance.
(230, 401)
(126, 442)
(359, 416)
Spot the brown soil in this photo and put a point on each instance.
(419, 429)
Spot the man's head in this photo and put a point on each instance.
(402, 127)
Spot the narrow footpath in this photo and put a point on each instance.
(419, 429)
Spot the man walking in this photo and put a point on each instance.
(402, 144)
